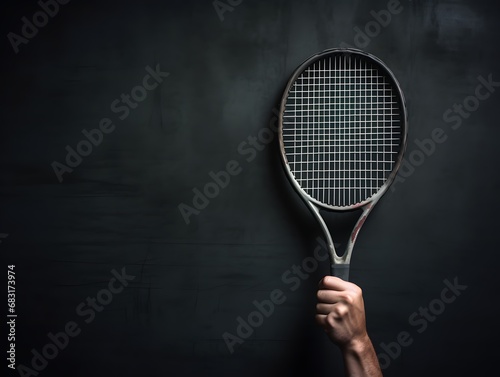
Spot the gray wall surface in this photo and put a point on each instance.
(221, 75)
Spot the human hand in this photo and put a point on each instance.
(341, 312)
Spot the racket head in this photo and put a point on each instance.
(342, 128)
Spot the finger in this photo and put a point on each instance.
(332, 282)
(328, 296)
(321, 319)
(324, 308)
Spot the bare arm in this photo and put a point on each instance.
(341, 313)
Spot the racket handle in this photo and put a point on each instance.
(341, 271)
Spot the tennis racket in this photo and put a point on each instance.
(342, 133)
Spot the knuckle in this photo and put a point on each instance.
(331, 321)
(341, 311)
(348, 299)
(358, 291)
(320, 295)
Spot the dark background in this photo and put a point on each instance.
(119, 207)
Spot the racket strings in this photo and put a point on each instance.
(342, 129)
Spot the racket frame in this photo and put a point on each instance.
(340, 264)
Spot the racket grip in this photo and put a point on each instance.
(341, 271)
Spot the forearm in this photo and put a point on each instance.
(360, 360)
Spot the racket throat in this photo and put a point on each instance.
(335, 258)
(340, 263)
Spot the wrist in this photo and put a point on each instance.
(360, 358)
(358, 346)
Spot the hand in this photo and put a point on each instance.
(341, 312)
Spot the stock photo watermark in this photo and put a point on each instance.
(218, 181)
(380, 20)
(31, 26)
(11, 316)
(86, 311)
(122, 107)
(419, 322)
(292, 279)
(222, 7)
(454, 117)
(249, 149)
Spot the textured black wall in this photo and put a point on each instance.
(119, 206)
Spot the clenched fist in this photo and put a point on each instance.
(341, 313)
